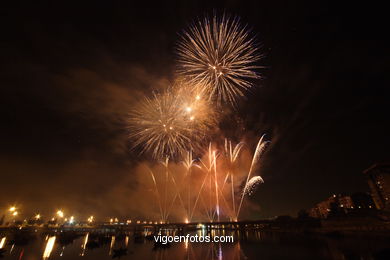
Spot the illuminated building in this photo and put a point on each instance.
(339, 203)
(362, 200)
(379, 182)
(322, 209)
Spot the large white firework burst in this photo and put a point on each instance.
(219, 54)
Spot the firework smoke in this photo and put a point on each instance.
(219, 55)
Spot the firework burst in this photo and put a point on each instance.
(169, 123)
(252, 184)
(220, 55)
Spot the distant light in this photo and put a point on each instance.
(60, 213)
(12, 209)
(37, 216)
(15, 213)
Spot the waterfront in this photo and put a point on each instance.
(247, 245)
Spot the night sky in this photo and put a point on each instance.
(70, 74)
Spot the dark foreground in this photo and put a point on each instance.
(253, 244)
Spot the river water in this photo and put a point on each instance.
(247, 245)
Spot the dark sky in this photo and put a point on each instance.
(70, 74)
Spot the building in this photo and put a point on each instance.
(362, 200)
(322, 209)
(345, 202)
(335, 203)
(378, 177)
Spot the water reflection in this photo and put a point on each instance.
(2, 242)
(83, 247)
(49, 247)
(141, 245)
(112, 244)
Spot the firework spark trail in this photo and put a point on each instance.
(259, 150)
(170, 207)
(216, 184)
(158, 194)
(166, 164)
(189, 163)
(198, 195)
(232, 155)
(252, 185)
(209, 169)
(219, 54)
(225, 180)
(176, 194)
(167, 208)
(212, 161)
(224, 199)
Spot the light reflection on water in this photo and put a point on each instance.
(247, 245)
(2, 242)
(83, 247)
(49, 247)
